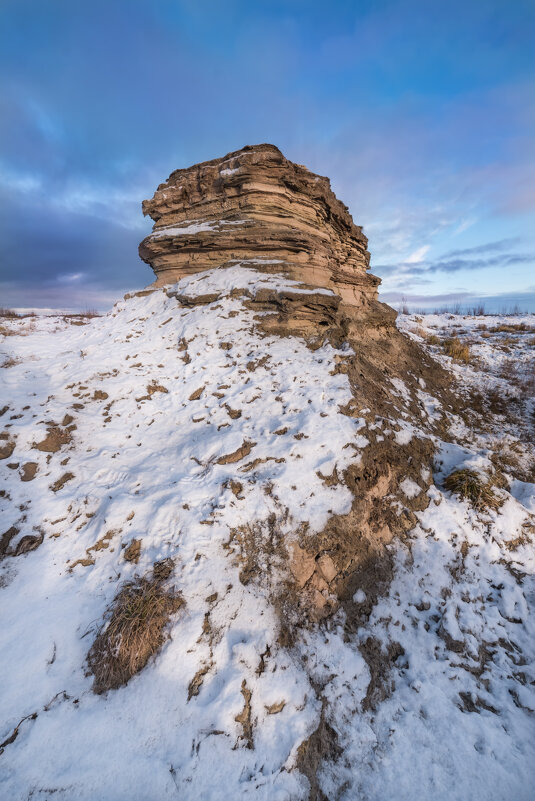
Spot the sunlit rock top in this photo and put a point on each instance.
(257, 208)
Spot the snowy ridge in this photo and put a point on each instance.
(189, 425)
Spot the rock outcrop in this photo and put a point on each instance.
(255, 207)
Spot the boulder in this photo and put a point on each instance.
(257, 208)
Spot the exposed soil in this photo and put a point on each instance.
(55, 439)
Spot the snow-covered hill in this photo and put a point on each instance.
(180, 431)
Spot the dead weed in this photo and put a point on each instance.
(457, 350)
(132, 633)
(469, 485)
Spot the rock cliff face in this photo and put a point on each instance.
(257, 208)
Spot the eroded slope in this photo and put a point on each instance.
(268, 460)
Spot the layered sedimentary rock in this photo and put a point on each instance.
(255, 207)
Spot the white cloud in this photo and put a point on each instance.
(71, 278)
(464, 225)
(418, 255)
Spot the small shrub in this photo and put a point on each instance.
(527, 382)
(469, 485)
(10, 361)
(478, 311)
(432, 339)
(8, 313)
(132, 633)
(511, 328)
(457, 350)
(419, 331)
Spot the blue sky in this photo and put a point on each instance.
(421, 112)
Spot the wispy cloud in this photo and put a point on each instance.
(71, 278)
(493, 303)
(418, 255)
(489, 247)
(491, 254)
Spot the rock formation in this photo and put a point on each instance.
(254, 206)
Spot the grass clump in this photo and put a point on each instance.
(511, 328)
(132, 633)
(457, 350)
(469, 486)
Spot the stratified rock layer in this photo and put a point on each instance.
(255, 207)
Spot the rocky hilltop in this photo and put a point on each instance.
(255, 207)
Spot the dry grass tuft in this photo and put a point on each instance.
(133, 632)
(419, 331)
(10, 361)
(87, 314)
(457, 350)
(432, 339)
(469, 485)
(511, 328)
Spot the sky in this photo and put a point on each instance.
(421, 112)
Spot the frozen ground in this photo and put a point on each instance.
(175, 426)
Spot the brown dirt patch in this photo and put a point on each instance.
(321, 745)
(197, 394)
(5, 540)
(28, 543)
(380, 662)
(235, 487)
(102, 543)
(244, 717)
(57, 485)
(234, 414)
(351, 552)
(155, 387)
(237, 455)
(152, 388)
(55, 439)
(133, 551)
(274, 709)
(86, 562)
(163, 569)
(28, 471)
(197, 681)
(6, 448)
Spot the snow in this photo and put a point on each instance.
(193, 227)
(456, 719)
(405, 434)
(240, 277)
(157, 457)
(524, 493)
(410, 488)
